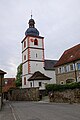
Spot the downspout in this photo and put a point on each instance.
(33, 83)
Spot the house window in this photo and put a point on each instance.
(24, 80)
(78, 66)
(71, 67)
(62, 82)
(65, 68)
(35, 42)
(24, 44)
(30, 84)
(40, 84)
(60, 70)
(24, 57)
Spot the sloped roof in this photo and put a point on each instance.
(10, 84)
(2, 72)
(38, 76)
(49, 64)
(69, 55)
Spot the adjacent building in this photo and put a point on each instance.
(33, 59)
(68, 66)
(2, 73)
(9, 83)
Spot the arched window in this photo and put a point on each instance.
(35, 42)
(24, 57)
(24, 44)
(24, 80)
(36, 55)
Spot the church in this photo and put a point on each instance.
(36, 70)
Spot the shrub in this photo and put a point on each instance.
(55, 87)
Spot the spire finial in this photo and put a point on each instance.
(31, 14)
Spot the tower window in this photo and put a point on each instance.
(36, 55)
(24, 80)
(35, 42)
(24, 44)
(24, 57)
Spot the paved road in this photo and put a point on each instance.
(45, 111)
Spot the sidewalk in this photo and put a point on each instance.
(45, 100)
(6, 113)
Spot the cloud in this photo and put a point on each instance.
(57, 20)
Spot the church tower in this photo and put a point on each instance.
(32, 53)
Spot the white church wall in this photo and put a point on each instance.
(36, 66)
(51, 74)
(27, 85)
(36, 54)
(25, 53)
(25, 68)
(36, 83)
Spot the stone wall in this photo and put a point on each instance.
(24, 94)
(67, 96)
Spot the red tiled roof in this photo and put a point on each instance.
(69, 55)
(10, 84)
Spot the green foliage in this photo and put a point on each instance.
(55, 87)
(18, 76)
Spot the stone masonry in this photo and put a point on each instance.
(65, 76)
(67, 96)
(25, 94)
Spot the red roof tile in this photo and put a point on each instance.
(69, 55)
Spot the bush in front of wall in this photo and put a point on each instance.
(56, 87)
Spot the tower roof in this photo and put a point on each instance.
(32, 30)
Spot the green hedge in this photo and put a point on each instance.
(55, 87)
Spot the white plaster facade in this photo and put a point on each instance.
(34, 60)
(36, 83)
(52, 75)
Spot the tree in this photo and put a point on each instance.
(19, 76)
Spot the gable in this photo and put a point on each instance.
(38, 76)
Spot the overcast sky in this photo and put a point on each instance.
(58, 21)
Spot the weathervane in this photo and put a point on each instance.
(31, 14)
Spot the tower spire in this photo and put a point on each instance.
(31, 14)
